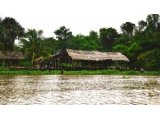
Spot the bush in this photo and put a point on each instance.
(25, 63)
(150, 59)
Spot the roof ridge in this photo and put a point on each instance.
(95, 55)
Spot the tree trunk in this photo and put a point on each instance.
(33, 57)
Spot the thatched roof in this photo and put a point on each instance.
(42, 59)
(11, 55)
(96, 55)
(39, 60)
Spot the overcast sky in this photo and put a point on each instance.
(80, 16)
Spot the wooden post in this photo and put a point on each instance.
(72, 65)
(66, 63)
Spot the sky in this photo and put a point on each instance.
(81, 16)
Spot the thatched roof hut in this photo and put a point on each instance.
(87, 59)
(95, 55)
(11, 55)
(42, 61)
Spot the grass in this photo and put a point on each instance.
(81, 72)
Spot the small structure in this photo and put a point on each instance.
(42, 62)
(10, 58)
(78, 59)
(38, 61)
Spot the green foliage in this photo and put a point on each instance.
(32, 44)
(150, 59)
(153, 22)
(81, 42)
(25, 63)
(10, 30)
(63, 34)
(141, 25)
(1, 46)
(139, 43)
(107, 38)
(121, 48)
(135, 48)
(128, 28)
(93, 35)
(123, 39)
(150, 44)
(50, 45)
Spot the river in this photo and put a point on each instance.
(79, 90)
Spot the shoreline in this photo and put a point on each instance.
(80, 72)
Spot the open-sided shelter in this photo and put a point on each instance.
(78, 59)
(11, 57)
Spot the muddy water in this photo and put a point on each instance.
(79, 89)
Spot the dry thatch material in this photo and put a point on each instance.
(7, 55)
(39, 60)
(96, 55)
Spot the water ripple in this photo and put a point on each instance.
(78, 89)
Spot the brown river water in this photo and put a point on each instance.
(79, 89)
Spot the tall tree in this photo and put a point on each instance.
(1, 36)
(63, 34)
(107, 37)
(153, 21)
(10, 31)
(93, 35)
(141, 25)
(128, 28)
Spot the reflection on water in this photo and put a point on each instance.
(79, 89)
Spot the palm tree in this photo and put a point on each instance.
(32, 44)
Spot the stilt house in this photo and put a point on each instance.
(78, 59)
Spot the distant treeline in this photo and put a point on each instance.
(141, 43)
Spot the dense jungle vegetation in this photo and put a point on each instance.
(140, 42)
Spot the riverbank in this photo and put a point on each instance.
(81, 72)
